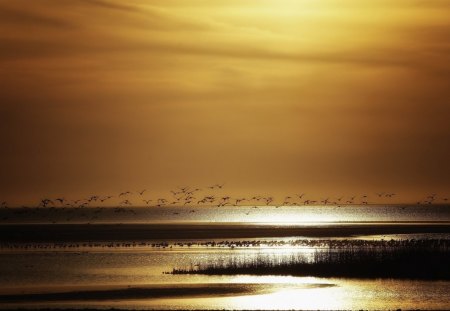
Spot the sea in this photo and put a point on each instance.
(136, 274)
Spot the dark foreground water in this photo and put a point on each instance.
(86, 272)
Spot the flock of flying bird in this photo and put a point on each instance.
(190, 196)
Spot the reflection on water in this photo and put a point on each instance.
(314, 297)
(38, 270)
(117, 268)
(299, 293)
(350, 294)
(46, 269)
(250, 214)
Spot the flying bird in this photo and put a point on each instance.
(238, 201)
(268, 200)
(46, 202)
(175, 193)
(183, 189)
(106, 198)
(326, 201)
(93, 198)
(216, 186)
(161, 202)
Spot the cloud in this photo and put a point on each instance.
(332, 96)
(156, 30)
(111, 5)
(19, 17)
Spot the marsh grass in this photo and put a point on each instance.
(424, 260)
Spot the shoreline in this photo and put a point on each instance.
(132, 293)
(28, 233)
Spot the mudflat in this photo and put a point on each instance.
(14, 233)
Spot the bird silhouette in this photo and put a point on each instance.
(238, 201)
(175, 193)
(106, 198)
(216, 186)
(268, 200)
(46, 202)
(326, 201)
(161, 202)
(93, 198)
(183, 189)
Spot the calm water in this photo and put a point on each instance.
(51, 270)
(288, 214)
(39, 271)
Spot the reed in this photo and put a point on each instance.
(418, 262)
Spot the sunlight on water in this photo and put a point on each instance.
(284, 215)
(277, 279)
(115, 269)
(323, 294)
(302, 298)
(104, 266)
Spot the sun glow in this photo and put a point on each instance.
(307, 296)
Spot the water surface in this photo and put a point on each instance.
(231, 214)
(109, 265)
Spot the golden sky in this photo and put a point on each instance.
(269, 96)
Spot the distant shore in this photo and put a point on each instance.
(17, 233)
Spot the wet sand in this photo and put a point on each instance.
(141, 232)
(144, 292)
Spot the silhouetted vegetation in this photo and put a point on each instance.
(415, 261)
